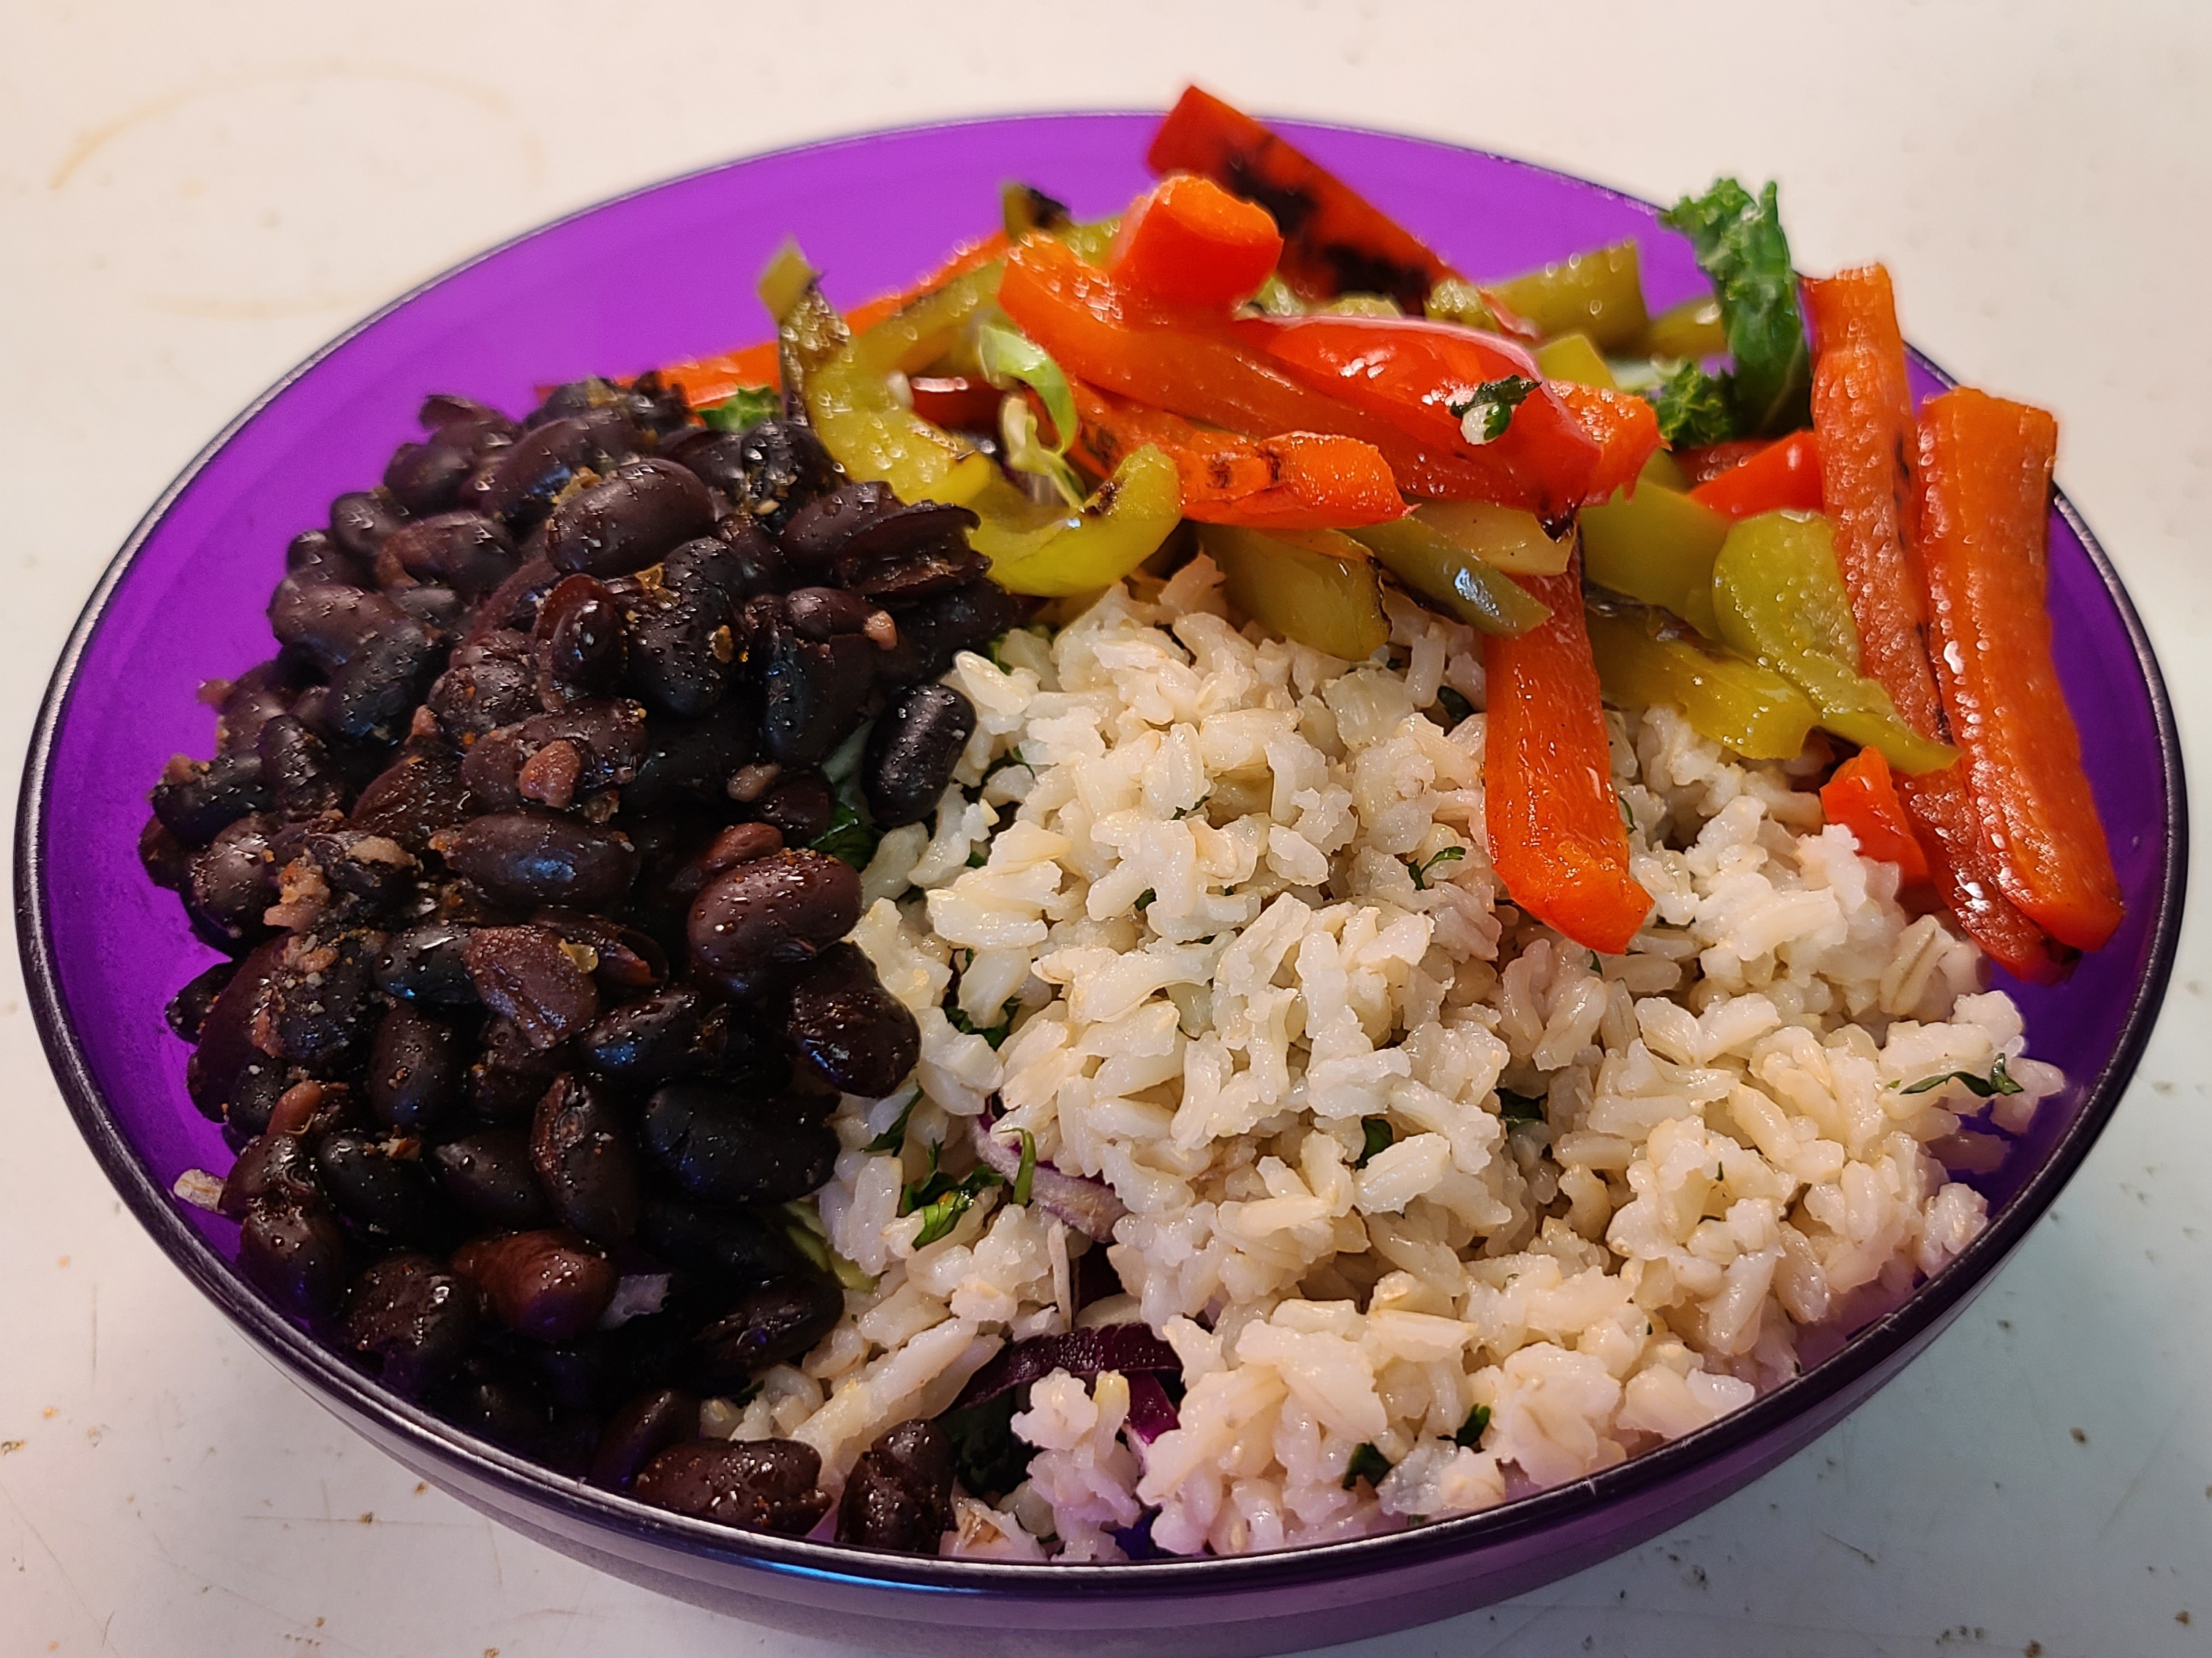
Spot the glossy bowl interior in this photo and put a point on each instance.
(667, 274)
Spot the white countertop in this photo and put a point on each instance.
(192, 197)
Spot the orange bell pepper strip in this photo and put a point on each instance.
(1550, 813)
(1786, 473)
(1413, 374)
(1703, 465)
(1982, 526)
(1334, 241)
(1862, 796)
(1190, 242)
(707, 380)
(1294, 480)
(1624, 428)
(1863, 430)
(1189, 363)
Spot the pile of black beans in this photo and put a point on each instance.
(537, 997)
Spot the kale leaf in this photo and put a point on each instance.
(1692, 407)
(1741, 246)
(743, 409)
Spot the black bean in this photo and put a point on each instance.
(276, 1170)
(440, 610)
(321, 1000)
(374, 869)
(847, 1029)
(529, 857)
(526, 974)
(490, 1397)
(934, 631)
(518, 485)
(166, 860)
(643, 1428)
(822, 613)
(899, 1495)
(751, 566)
(768, 1327)
(295, 1256)
(761, 1485)
(782, 466)
(692, 761)
(489, 1174)
(412, 1320)
(683, 651)
(188, 1009)
(487, 683)
(729, 1246)
(917, 741)
(388, 1195)
(199, 796)
(813, 693)
(225, 1041)
(584, 1160)
(724, 1148)
(799, 806)
(379, 660)
(297, 770)
(255, 1092)
(631, 519)
(416, 1068)
(427, 964)
(717, 459)
(466, 552)
(512, 607)
(647, 1043)
(550, 1284)
(361, 520)
(771, 912)
(627, 959)
(653, 405)
(510, 1075)
(444, 410)
(580, 640)
(915, 552)
(230, 884)
(426, 477)
(414, 798)
(812, 536)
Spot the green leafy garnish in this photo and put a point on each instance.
(1193, 809)
(803, 1226)
(1485, 412)
(1457, 708)
(894, 1137)
(1692, 407)
(988, 1455)
(1741, 246)
(1025, 1176)
(1999, 1081)
(1627, 817)
(1010, 358)
(850, 837)
(993, 1034)
(1368, 1464)
(1146, 898)
(1380, 1138)
(1420, 871)
(979, 857)
(940, 1200)
(1515, 1110)
(1471, 1430)
(743, 409)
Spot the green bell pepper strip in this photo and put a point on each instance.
(1656, 545)
(1316, 587)
(1437, 569)
(1739, 704)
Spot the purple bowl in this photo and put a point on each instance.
(666, 274)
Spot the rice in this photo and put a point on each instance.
(1389, 1151)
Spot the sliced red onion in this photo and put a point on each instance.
(1151, 1412)
(1132, 1349)
(1089, 1205)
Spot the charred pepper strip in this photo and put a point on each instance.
(1551, 817)
(1862, 425)
(1983, 524)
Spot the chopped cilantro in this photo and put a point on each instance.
(1145, 898)
(1485, 412)
(894, 1137)
(1741, 246)
(1457, 708)
(1692, 408)
(1627, 817)
(1195, 806)
(743, 410)
(1471, 1430)
(1999, 1081)
(1420, 871)
(850, 837)
(993, 1034)
(1380, 1138)
(1025, 1176)
(940, 1200)
(1518, 1109)
(979, 857)
(1366, 1463)
(989, 1457)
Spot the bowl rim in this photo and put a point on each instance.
(1886, 1341)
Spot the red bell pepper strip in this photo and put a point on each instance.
(1786, 473)
(1334, 241)
(1295, 481)
(1190, 363)
(1863, 428)
(1550, 813)
(1981, 533)
(710, 380)
(1862, 796)
(1414, 374)
(1624, 428)
(1188, 241)
(1703, 465)
(956, 402)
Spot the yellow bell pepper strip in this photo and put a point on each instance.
(1737, 703)
(1504, 537)
(1056, 552)
(1445, 385)
(1316, 587)
(1685, 332)
(1190, 364)
(1982, 529)
(1599, 294)
(1298, 480)
(845, 388)
(1457, 300)
(1863, 429)
(1550, 815)
(1437, 569)
(1656, 545)
(1575, 357)
(1335, 241)
(1777, 597)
